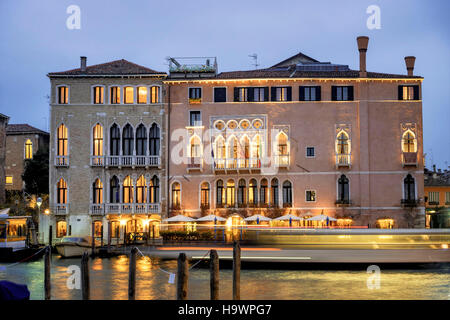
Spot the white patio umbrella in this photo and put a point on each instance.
(288, 217)
(321, 217)
(257, 217)
(211, 217)
(179, 218)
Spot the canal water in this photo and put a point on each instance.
(109, 280)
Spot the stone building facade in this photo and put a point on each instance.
(3, 124)
(22, 142)
(107, 151)
(303, 136)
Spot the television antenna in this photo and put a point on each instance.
(255, 58)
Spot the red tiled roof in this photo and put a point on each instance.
(23, 128)
(117, 67)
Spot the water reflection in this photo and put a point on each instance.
(109, 280)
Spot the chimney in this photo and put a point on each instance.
(83, 64)
(363, 42)
(434, 168)
(410, 65)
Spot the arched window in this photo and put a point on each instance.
(245, 145)
(282, 143)
(242, 192)
(220, 200)
(253, 192)
(263, 199)
(154, 94)
(141, 190)
(97, 229)
(61, 229)
(154, 190)
(409, 142)
(62, 140)
(127, 190)
(114, 190)
(28, 149)
(287, 193)
(97, 188)
(256, 147)
(154, 140)
(342, 144)
(62, 191)
(141, 140)
(176, 195)
(219, 153)
(142, 94)
(114, 142)
(97, 142)
(195, 147)
(128, 138)
(204, 201)
(274, 192)
(343, 189)
(409, 188)
(230, 193)
(232, 152)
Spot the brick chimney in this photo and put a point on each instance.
(83, 64)
(363, 42)
(410, 65)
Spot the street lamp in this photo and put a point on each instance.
(39, 202)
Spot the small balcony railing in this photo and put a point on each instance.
(62, 161)
(97, 208)
(132, 208)
(133, 161)
(282, 161)
(195, 163)
(97, 161)
(343, 202)
(409, 159)
(61, 208)
(410, 202)
(237, 164)
(343, 160)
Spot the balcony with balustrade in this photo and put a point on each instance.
(282, 161)
(61, 161)
(409, 159)
(60, 209)
(233, 165)
(343, 160)
(133, 161)
(132, 208)
(195, 164)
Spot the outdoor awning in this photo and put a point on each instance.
(255, 217)
(179, 218)
(321, 217)
(211, 217)
(288, 217)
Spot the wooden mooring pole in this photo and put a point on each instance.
(236, 271)
(85, 286)
(101, 240)
(182, 277)
(47, 267)
(132, 275)
(109, 236)
(214, 274)
(50, 236)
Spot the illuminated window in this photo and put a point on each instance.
(61, 191)
(408, 92)
(28, 149)
(114, 143)
(204, 201)
(242, 192)
(263, 199)
(61, 229)
(343, 145)
(176, 195)
(142, 94)
(310, 195)
(98, 95)
(62, 140)
(245, 149)
(115, 229)
(154, 140)
(141, 190)
(256, 147)
(128, 95)
(154, 190)
(287, 193)
(274, 192)
(114, 94)
(252, 192)
(242, 94)
(97, 196)
(220, 150)
(281, 93)
(9, 180)
(97, 229)
(127, 190)
(282, 144)
(195, 147)
(141, 140)
(128, 139)
(385, 223)
(220, 200)
(63, 95)
(230, 193)
(97, 140)
(154, 94)
(409, 142)
(114, 190)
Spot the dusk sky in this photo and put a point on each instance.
(35, 41)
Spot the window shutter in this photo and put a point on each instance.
(273, 93)
(301, 93)
(266, 93)
(289, 93)
(333, 93)
(236, 94)
(416, 92)
(190, 92)
(400, 92)
(350, 93)
(250, 94)
(318, 95)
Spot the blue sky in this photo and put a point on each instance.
(35, 40)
